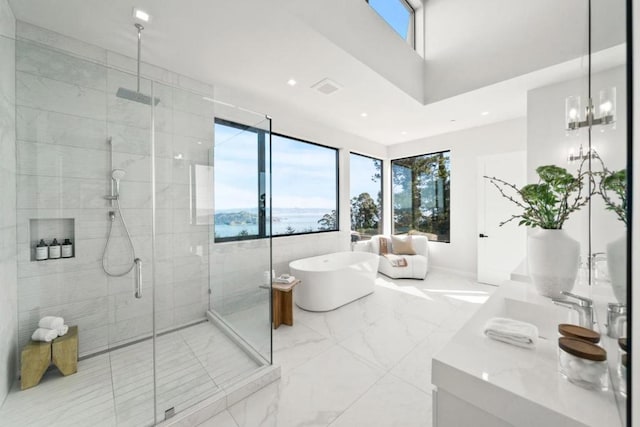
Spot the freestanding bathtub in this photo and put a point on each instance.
(333, 280)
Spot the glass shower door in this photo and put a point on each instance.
(129, 256)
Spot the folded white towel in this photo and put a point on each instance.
(63, 330)
(511, 331)
(51, 322)
(44, 334)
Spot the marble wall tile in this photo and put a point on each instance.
(8, 232)
(193, 125)
(25, 31)
(129, 65)
(43, 61)
(53, 95)
(7, 20)
(50, 127)
(57, 192)
(194, 103)
(59, 160)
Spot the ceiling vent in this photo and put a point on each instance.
(326, 86)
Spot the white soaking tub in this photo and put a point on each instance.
(333, 280)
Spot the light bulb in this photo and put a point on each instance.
(573, 113)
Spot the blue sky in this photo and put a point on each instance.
(303, 174)
(362, 169)
(395, 13)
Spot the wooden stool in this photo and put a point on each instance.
(37, 356)
(64, 352)
(283, 303)
(35, 359)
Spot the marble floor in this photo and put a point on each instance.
(365, 364)
(116, 388)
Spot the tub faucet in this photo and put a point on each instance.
(584, 307)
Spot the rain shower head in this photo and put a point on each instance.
(137, 96)
(134, 96)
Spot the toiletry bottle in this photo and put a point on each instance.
(42, 251)
(67, 249)
(54, 249)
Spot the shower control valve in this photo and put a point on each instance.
(112, 215)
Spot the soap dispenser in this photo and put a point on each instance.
(42, 251)
(54, 249)
(67, 249)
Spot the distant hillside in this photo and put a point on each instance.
(236, 218)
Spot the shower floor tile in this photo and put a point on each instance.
(116, 388)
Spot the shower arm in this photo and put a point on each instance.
(140, 28)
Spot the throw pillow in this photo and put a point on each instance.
(402, 245)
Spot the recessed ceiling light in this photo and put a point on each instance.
(485, 113)
(141, 15)
(363, 114)
(404, 132)
(292, 82)
(452, 120)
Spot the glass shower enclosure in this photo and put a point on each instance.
(122, 166)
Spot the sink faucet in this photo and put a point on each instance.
(584, 307)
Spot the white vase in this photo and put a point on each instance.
(617, 266)
(553, 260)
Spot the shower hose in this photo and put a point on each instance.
(106, 245)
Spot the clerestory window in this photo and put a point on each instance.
(399, 15)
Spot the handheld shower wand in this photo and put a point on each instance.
(116, 176)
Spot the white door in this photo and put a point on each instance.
(500, 249)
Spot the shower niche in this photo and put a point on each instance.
(48, 229)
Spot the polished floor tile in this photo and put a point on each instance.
(364, 364)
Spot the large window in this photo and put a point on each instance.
(304, 184)
(366, 195)
(421, 188)
(399, 15)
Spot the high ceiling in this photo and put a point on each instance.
(256, 46)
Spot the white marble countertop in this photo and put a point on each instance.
(521, 386)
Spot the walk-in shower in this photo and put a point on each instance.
(123, 164)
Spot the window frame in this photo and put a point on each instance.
(262, 166)
(382, 191)
(391, 210)
(412, 13)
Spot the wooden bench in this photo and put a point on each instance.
(37, 356)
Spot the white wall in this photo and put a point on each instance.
(549, 143)
(357, 29)
(8, 271)
(466, 146)
(469, 45)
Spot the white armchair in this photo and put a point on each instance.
(417, 265)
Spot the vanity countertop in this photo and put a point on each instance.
(520, 386)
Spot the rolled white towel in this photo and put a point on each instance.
(51, 322)
(44, 334)
(512, 331)
(63, 330)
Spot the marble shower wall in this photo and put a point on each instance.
(66, 110)
(8, 276)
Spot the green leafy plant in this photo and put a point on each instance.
(550, 202)
(612, 185)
